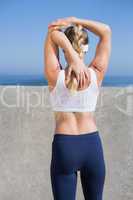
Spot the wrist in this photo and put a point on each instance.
(83, 22)
(78, 21)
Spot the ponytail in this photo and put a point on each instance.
(78, 37)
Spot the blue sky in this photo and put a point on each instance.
(23, 27)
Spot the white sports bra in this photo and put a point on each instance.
(84, 100)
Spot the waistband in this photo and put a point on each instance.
(86, 135)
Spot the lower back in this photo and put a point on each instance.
(74, 122)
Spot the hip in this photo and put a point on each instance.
(77, 149)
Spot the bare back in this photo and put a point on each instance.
(75, 122)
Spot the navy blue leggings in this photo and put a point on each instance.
(71, 153)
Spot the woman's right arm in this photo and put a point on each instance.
(103, 49)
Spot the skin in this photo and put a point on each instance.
(75, 122)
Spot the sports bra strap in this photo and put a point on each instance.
(93, 74)
(59, 78)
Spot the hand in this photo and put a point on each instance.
(63, 22)
(81, 72)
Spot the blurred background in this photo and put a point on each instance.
(23, 27)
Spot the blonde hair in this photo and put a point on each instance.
(78, 36)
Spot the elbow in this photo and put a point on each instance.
(108, 30)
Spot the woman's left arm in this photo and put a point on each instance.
(103, 48)
(54, 40)
(51, 58)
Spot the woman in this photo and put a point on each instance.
(76, 145)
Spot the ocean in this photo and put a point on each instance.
(33, 80)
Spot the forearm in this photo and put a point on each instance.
(62, 41)
(98, 28)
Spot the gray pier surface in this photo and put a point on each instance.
(26, 131)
